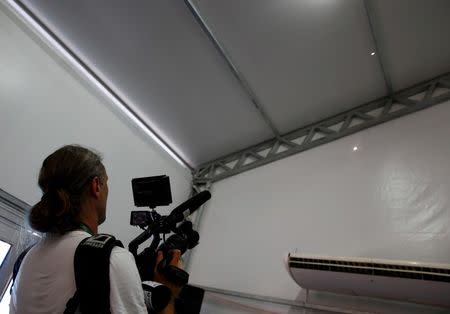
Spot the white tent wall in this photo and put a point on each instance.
(380, 193)
(44, 105)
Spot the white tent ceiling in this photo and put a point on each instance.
(305, 60)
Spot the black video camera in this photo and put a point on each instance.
(152, 192)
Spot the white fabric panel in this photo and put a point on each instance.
(224, 304)
(306, 60)
(43, 106)
(220, 304)
(413, 38)
(389, 198)
(157, 57)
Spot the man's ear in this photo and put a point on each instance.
(94, 187)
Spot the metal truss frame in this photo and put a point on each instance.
(407, 101)
(197, 187)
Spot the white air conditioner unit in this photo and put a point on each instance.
(425, 283)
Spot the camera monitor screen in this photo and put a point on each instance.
(151, 191)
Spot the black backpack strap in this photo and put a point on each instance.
(72, 304)
(91, 264)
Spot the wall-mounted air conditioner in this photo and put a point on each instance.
(426, 283)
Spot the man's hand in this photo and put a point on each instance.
(159, 277)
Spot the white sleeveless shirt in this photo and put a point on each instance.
(46, 279)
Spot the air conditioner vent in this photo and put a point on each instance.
(376, 269)
(412, 281)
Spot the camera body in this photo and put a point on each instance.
(152, 192)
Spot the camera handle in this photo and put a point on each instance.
(152, 230)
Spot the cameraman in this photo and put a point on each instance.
(74, 183)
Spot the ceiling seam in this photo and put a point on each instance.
(237, 74)
(378, 47)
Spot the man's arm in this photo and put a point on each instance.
(126, 294)
(175, 289)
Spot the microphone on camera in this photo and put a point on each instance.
(188, 207)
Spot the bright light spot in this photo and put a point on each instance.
(4, 249)
(373, 53)
(4, 304)
(37, 234)
(355, 148)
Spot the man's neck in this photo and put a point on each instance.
(89, 218)
(89, 227)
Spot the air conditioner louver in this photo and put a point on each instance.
(408, 281)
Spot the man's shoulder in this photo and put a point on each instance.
(121, 253)
(122, 264)
(118, 255)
